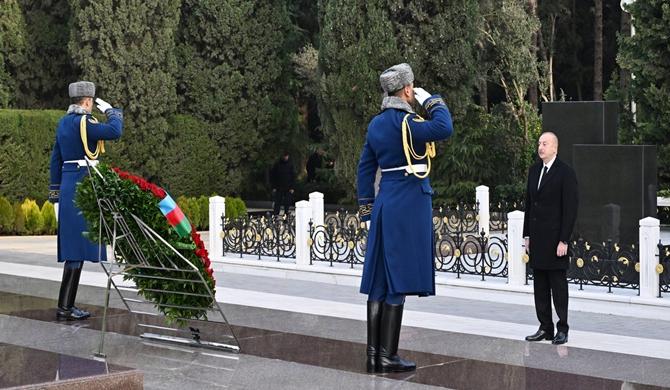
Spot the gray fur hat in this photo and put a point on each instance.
(81, 89)
(396, 77)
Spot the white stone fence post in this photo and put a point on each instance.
(482, 196)
(217, 210)
(650, 233)
(316, 202)
(516, 267)
(303, 214)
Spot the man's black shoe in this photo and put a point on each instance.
(561, 338)
(540, 335)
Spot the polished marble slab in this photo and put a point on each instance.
(27, 367)
(433, 369)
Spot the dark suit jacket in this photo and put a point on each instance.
(550, 214)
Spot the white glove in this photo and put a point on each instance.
(56, 210)
(102, 105)
(421, 95)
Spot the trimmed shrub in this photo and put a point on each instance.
(235, 208)
(6, 216)
(49, 217)
(34, 220)
(19, 219)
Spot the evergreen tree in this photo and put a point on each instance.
(438, 39)
(127, 48)
(47, 68)
(646, 55)
(12, 46)
(354, 50)
(234, 73)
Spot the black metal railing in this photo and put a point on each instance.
(338, 243)
(342, 218)
(663, 269)
(268, 235)
(605, 264)
(498, 214)
(460, 218)
(471, 254)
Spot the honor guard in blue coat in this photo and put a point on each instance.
(399, 255)
(79, 137)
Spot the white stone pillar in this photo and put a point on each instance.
(316, 201)
(217, 209)
(303, 213)
(650, 234)
(516, 268)
(483, 200)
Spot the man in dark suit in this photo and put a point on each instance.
(551, 211)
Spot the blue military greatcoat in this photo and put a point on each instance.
(401, 230)
(72, 245)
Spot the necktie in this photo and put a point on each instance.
(544, 173)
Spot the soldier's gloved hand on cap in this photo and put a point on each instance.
(421, 95)
(102, 105)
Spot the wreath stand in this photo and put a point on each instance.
(131, 259)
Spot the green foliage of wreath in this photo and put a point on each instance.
(177, 294)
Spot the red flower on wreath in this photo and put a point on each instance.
(159, 194)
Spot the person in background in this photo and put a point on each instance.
(282, 178)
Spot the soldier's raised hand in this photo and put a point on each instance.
(421, 95)
(102, 105)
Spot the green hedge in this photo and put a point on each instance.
(195, 160)
(26, 141)
(27, 217)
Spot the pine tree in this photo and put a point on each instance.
(127, 48)
(646, 55)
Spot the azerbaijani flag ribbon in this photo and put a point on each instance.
(175, 216)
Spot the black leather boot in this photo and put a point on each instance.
(68, 291)
(388, 360)
(81, 314)
(374, 321)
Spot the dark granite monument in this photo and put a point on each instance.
(617, 188)
(617, 183)
(581, 123)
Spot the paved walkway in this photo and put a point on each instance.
(631, 345)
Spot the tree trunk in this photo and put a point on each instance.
(483, 93)
(533, 87)
(624, 74)
(598, 52)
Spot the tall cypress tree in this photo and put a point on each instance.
(12, 46)
(646, 55)
(41, 81)
(354, 50)
(127, 48)
(234, 73)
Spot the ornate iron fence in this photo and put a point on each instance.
(471, 254)
(461, 218)
(498, 214)
(269, 235)
(663, 269)
(338, 243)
(601, 264)
(342, 218)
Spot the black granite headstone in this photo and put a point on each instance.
(617, 188)
(580, 123)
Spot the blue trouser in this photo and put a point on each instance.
(380, 288)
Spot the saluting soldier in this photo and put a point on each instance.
(399, 256)
(79, 136)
